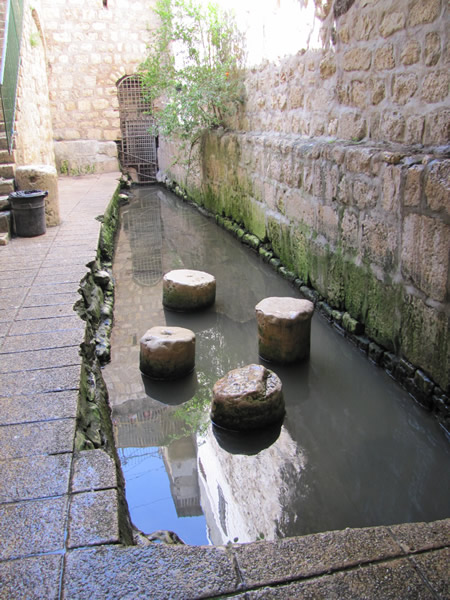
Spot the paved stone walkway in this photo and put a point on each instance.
(59, 532)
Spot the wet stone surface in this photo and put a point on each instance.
(93, 519)
(34, 477)
(167, 352)
(284, 329)
(186, 290)
(156, 571)
(93, 470)
(389, 581)
(31, 578)
(247, 398)
(28, 439)
(21, 527)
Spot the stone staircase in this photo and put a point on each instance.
(7, 173)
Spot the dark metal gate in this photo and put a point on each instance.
(138, 146)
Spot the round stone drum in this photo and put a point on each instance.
(167, 352)
(284, 329)
(247, 398)
(186, 290)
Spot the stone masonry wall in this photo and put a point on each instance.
(90, 47)
(385, 77)
(339, 162)
(33, 124)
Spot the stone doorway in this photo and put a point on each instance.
(138, 147)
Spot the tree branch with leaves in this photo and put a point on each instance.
(192, 71)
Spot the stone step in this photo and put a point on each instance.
(5, 221)
(6, 157)
(7, 170)
(6, 186)
(3, 141)
(4, 202)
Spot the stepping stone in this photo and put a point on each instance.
(247, 398)
(167, 352)
(187, 290)
(284, 329)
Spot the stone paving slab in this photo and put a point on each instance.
(38, 407)
(93, 519)
(16, 275)
(42, 312)
(7, 315)
(17, 282)
(435, 568)
(38, 359)
(423, 536)
(21, 527)
(155, 572)
(33, 578)
(28, 439)
(42, 341)
(47, 325)
(34, 477)
(44, 380)
(93, 470)
(13, 299)
(294, 558)
(46, 298)
(394, 580)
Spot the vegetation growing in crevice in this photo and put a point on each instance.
(94, 425)
(192, 74)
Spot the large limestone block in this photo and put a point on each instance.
(247, 398)
(284, 328)
(45, 178)
(188, 290)
(167, 352)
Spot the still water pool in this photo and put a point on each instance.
(354, 450)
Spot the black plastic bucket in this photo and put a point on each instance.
(28, 210)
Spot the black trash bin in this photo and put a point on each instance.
(28, 210)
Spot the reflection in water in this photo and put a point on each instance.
(353, 449)
(144, 227)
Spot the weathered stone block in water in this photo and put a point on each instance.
(186, 290)
(284, 329)
(167, 352)
(247, 398)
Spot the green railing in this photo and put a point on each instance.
(9, 70)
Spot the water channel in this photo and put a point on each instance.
(354, 450)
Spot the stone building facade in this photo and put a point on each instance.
(339, 160)
(90, 47)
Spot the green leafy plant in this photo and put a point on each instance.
(34, 40)
(191, 75)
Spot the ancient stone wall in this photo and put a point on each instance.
(90, 46)
(33, 122)
(338, 160)
(382, 73)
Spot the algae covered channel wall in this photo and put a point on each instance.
(338, 159)
(353, 450)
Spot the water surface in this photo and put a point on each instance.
(354, 450)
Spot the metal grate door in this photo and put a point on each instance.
(138, 145)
